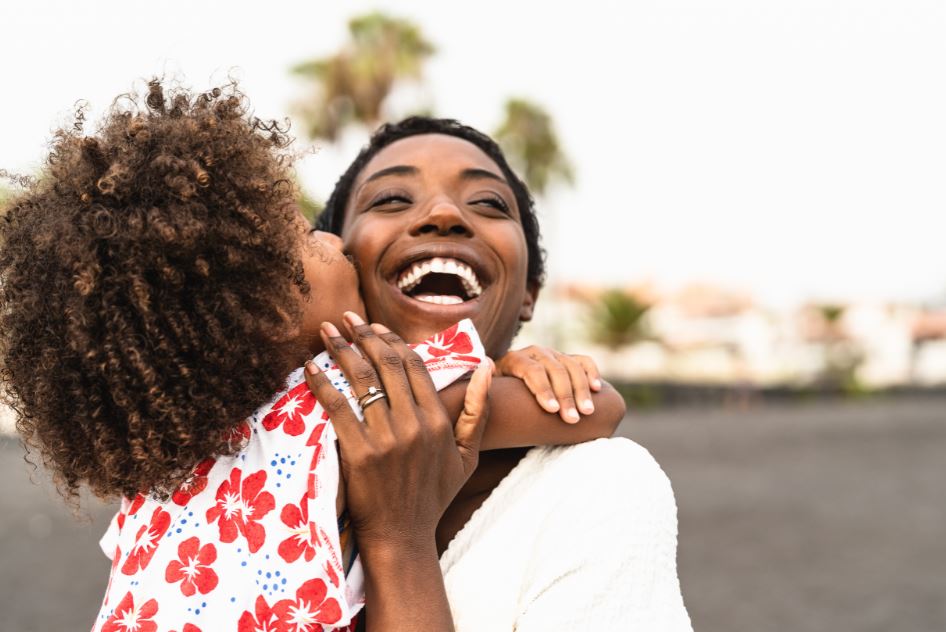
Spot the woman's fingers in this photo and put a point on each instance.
(387, 362)
(343, 418)
(468, 430)
(422, 386)
(359, 372)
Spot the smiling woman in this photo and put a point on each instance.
(442, 229)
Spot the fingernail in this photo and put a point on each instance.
(354, 318)
(572, 415)
(379, 328)
(310, 368)
(330, 330)
(596, 383)
(552, 405)
(587, 407)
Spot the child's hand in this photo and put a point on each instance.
(557, 380)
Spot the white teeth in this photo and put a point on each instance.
(442, 265)
(439, 299)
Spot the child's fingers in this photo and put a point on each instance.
(580, 386)
(468, 430)
(591, 370)
(563, 389)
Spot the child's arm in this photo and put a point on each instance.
(562, 383)
(517, 420)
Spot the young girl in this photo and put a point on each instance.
(156, 286)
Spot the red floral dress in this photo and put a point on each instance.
(250, 542)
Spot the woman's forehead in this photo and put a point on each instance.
(429, 151)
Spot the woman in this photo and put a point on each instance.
(581, 537)
(157, 287)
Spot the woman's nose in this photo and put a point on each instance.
(443, 218)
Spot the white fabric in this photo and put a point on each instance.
(578, 537)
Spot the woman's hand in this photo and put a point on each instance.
(405, 463)
(561, 383)
(402, 467)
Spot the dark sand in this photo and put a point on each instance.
(819, 517)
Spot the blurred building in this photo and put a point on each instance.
(711, 335)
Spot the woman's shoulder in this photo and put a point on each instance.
(614, 460)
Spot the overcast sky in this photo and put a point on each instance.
(795, 149)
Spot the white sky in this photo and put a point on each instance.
(792, 148)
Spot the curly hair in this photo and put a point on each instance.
(332, 219)
(150, 289)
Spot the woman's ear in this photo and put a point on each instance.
(528, 301)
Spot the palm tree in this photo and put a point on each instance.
(842, 355)
(528, 138)
(352, 85)
(617, 319)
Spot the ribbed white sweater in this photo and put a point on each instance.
(578, 537)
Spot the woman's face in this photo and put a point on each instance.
(436, 232)
(333, 284)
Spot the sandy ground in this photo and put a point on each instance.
(821, 517)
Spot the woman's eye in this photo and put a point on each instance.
(390, 199)
(493, 202)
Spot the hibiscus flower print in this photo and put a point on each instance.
(129, 618)
(239, 506)
(449, 341)
(309, 611)
(302, 538)
(194, 484)
(136, 505)
(316, 436)
(193, 567)
(146, 542)
(261, 620)
(238, 436)
(291, 410)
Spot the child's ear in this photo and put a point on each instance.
(528, 301)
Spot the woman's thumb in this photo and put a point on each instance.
(472, 421)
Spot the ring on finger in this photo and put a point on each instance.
(374, 394)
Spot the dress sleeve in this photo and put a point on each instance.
(614, 566)
(109, 540)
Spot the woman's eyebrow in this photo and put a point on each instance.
(479, 174)
(396, 170)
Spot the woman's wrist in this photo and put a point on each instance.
(394, 549)
(404, 587)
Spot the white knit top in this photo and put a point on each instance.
(578, 537)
